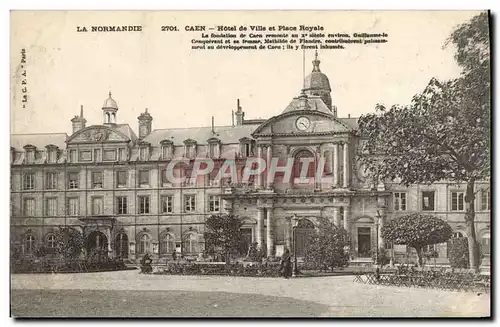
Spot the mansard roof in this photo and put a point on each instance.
(226, 134)
(39, 140)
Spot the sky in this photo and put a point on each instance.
(185, 88)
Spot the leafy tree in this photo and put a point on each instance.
(69, 242)
(222, 234)
(416, 230)
(444, 134)
(326, 247)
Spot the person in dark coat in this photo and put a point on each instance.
(286, 264)
(174, 255)
(146, 264)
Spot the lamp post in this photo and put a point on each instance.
(295, 222)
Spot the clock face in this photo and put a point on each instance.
(303, 123)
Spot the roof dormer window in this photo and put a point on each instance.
(246, 147)
(30, 153)
(190, 148)
(214, 146)
(144, 151)
(167, 148)
(52, 152)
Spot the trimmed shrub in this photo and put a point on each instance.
(458, 252)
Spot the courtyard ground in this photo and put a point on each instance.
(128, 293)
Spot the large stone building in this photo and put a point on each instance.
(111, 183)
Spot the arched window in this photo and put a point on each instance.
(29, 244)
(167, 244)
(121, 245)
(302, 158)
(108, 119)
(190, 243)
(51, 243)
(144, 243)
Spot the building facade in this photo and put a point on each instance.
(111, 183)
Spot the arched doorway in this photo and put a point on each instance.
(302, 232)
(97, 241)
(304, 157)
(121, 245)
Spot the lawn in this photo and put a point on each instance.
(114, 303)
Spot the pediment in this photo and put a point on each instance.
(97, 134)
(318, 123)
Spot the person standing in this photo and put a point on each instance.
(286, 264)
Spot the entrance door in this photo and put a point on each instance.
(364, 241)
(121, 245)
(302, 232)
(246, 240)
(97, 241)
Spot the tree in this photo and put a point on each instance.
(222, 234)
(444, 134)
(458, 252)
(69, 242)
(326, 247)
(416, 230)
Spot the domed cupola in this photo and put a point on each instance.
(317, 83)
(109, 109)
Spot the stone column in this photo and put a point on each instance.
(346, 165)
(381, 243)
(270, 233)
(268, 164)
(259, 155)
(260, 227)
(108, 235)
(347, 212)
(336, 216)
(335, 163)
(317, 178)
(289, 233)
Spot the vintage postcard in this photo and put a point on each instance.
(250, 164)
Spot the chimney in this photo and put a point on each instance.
(240, 115)
(78, 122)
(145, 124)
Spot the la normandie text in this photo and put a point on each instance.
(117, 28)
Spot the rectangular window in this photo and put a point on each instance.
(97, 179)
(121, 178)
(72, 156)
(109, 155)
(166, 151)
(457, 201)
(85, 156)
(121, 202)
(52, 156)
(214, 203)
(28, 181)
(167, 204)
(51, 181)
(143, 177)
(189, 203)
(143, 204)
(428, 201)
(30, 156)
(163, 177)
(51, 206)
(73, 180)
(29, 207)
(97, 206)
(73, 205)
(399, 201)
(485, 200)
(142, 154)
